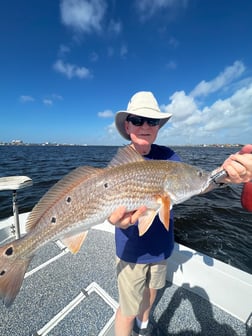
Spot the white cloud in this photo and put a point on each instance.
(225, 120)
(123, 50)
(211, 123)
(50, 100)
(171, 65)
(63, 50)
(114, 136)
(111, 137)
(148, 8)
(56, 96)
(115, 27)
(230, 113)
(181, 106)
(71, 70)
(94, 57)
(26, 99)
(173, 42)
(106, 114)
(47, 102)
(83, 15)
(226, 77)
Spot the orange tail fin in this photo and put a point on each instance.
(12, 271)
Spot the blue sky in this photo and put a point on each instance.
(68, 66)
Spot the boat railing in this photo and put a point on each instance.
(107, 330)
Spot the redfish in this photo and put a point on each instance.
(87, 196)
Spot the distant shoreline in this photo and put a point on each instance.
(20, 143)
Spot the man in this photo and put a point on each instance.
(142, 261)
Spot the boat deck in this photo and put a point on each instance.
(65, 282)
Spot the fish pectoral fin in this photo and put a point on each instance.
(145, 221)
(164, 212)
(75, 242)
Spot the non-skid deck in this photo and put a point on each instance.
(48, 291)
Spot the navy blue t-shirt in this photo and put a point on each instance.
(157, 243)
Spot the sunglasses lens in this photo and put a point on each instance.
(136, 121)
(153, 122)
(139, 121)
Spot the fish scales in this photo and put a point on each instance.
(87, 196)
(132, 190)
(84, 210)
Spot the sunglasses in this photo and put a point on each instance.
(139, 121)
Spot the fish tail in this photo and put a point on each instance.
(12, 272)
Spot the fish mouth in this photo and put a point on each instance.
(215, 180)
(208, 187)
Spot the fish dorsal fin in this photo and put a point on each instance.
(126, 155)
(75, 242)
(59, 190)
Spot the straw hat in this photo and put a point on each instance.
(142, 104)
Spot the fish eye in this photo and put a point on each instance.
(53, 220)
(69, 199)
(2, 272)
(200, 174)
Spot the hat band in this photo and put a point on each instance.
(144, 108)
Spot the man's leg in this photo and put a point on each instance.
(155, 280)
(146, 305)
(123, 324)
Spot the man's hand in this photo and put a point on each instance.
(123, 219)
(239, 166)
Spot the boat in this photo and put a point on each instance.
(65, 294)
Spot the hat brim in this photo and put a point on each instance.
(121, 117)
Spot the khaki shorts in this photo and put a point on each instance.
(133, 279)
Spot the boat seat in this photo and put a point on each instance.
(14, 183)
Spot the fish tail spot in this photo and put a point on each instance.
(9, 251)
(11, 274)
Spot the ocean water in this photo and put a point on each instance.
(214, 223)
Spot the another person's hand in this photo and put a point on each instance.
(239, 166)
(123, 219)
